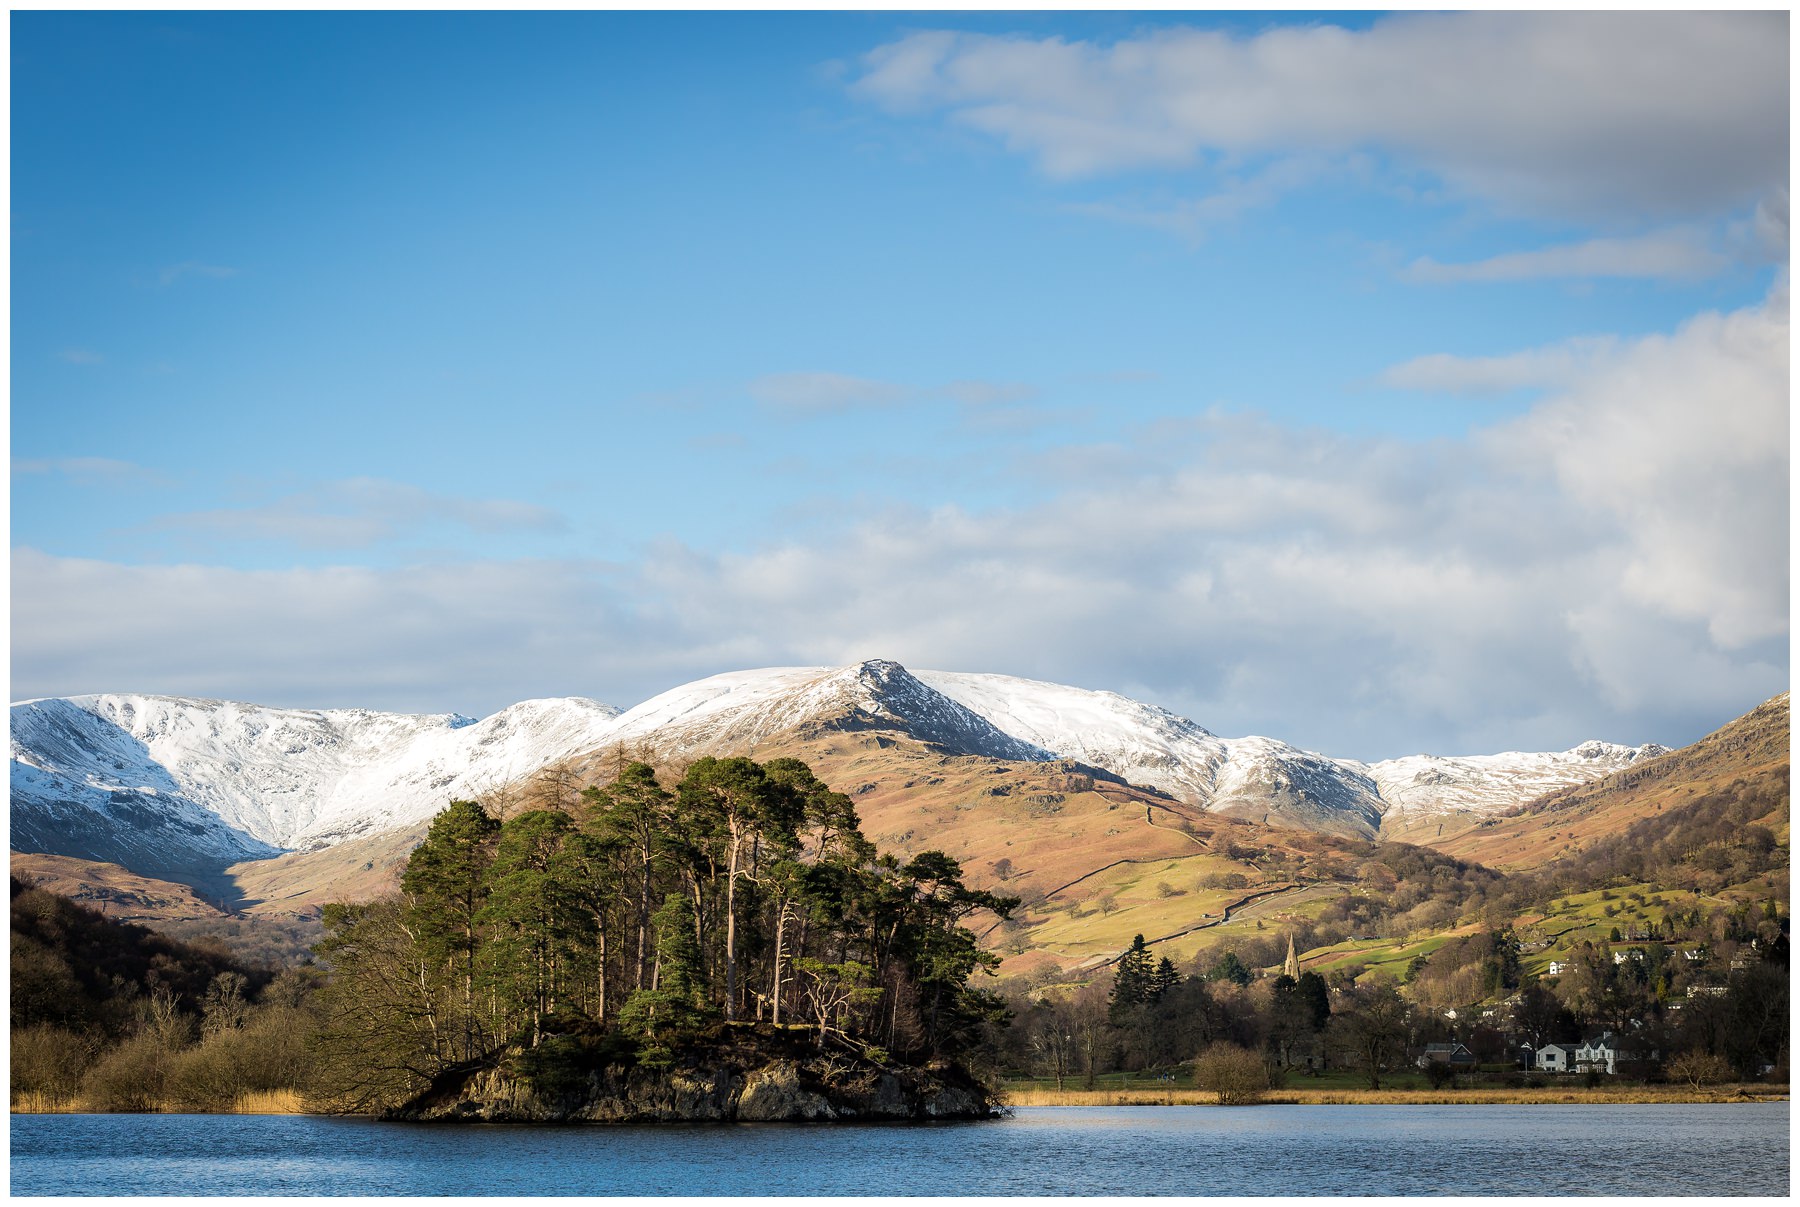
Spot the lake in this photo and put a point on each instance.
(1659, 1150)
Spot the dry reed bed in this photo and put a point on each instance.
(1321, 1097)
(269, 1102)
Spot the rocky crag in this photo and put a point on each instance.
(745, 1075)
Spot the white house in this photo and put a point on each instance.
(1601, 1054)
(1555, 1058)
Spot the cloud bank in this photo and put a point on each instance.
(1611, 564)
(1680, 114)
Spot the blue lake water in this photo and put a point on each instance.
(1726, 1149)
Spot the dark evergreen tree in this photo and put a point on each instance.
(1132, 978)
(1229, 968)
(632, 815)
(1163, 979)
(1313, 992)
(537, 916)
(445, 886)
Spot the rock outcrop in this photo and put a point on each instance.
(744, 1075)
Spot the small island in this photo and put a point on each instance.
(733, 949)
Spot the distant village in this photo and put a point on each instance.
(1642, 1010)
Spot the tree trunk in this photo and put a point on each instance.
(775, 980)
(601, 1012)
(731, 929)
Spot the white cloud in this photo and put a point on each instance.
(1681, 254)
(1612, 564)
(1683, 441)
(80, 356)
(1603, 114)
(358, 512)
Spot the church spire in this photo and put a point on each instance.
(1292, 968)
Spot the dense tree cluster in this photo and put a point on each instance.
(744, 893)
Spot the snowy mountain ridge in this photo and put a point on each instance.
(271, 778)
(161, 778)
(738, 709)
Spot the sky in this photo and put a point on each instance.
(1383, 384)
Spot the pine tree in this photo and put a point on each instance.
(1229, 968)
(536, 914)
(634, 814)
(1132, 977)
(735, 801)
(1312, 991)
(676, 998)
(445, 884)
(1163, 979)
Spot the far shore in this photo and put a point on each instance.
(289, 1103)
(1309, 1096)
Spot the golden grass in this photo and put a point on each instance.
(39, 1103)
(268, 1102)
(1169, 1096)
(1321, 1097)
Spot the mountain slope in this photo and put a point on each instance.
(1258, 778)
(161, 784)
(1262, 778)
(1749, 754)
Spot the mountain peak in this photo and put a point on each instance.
(742, 709)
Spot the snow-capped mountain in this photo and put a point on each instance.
(238, 781)
(734, 712)
(1260, 778)
(163, 781)
(1425, 785)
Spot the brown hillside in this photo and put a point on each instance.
(1751, 752)
(117, 894)
(1094, 860)
(302, 882)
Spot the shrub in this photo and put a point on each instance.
(1235, 1074)
(1699, 1068)
(129, 1078)
(267, 1053)
(50, 1060)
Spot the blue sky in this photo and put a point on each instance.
(1381, 384)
